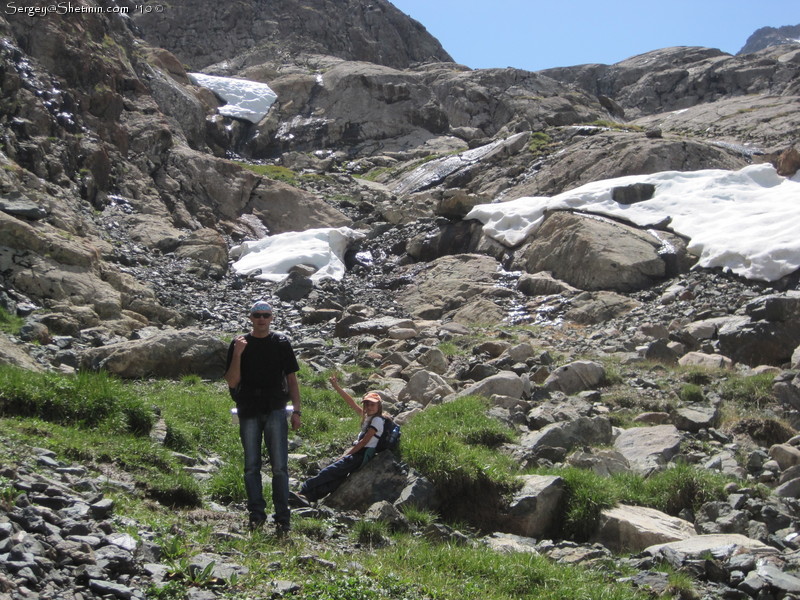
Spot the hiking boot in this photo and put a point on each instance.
(254, 524)
(282, 530)
(298, 500)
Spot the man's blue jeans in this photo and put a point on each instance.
(274, 430)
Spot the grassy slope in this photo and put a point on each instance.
(97, 420)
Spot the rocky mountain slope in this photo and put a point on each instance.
(771, 36)
(122, 192)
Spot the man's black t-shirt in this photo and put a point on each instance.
(265, 363)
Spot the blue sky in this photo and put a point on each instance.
(534, 35)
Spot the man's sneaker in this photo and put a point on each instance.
(298, 500)
(255, 524)
(282, 530)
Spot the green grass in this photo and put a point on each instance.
(86, 418)
(85, 400)
(670, 491)
(749, 391)
(9, 323)
(482, 574)
(616, 126)
(588, 494)
(691, 392)
(451, 349)
(275, 172)
(419, 517)
(454, 445)
(540, 143)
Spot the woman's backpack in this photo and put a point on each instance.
(390, 438)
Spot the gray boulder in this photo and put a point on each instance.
(721, 517)
(786, 388)
(707, 361)
(602, 462)
(719, 545)
(786, 455)
(594, 254)
(425, 387)
(775, 307)
(205, 246)
(695, 417)
(381, 479)
(634, 528)
(350, 327)
(168, 353)
(768, 575)
(576, 377)
(590, 308)
(760, 342)
(447, 283)
(649, 449)
(583, 431)
(505, 383)
(543, 284)
(534, 510)
(12, 354)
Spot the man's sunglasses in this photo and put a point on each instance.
(261, 315)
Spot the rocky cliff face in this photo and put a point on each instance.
(114, 164)
(242, 33)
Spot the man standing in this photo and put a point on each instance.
(262, 373)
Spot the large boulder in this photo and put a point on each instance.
(425, 387)
(705, 361)
(505, 383)
(282, 207)
(204, 246)
(720, 545)
(536, 507)
(583, 431)
(634, 528)
(12, 354)
(576, 377)
(590, 308)
(760, 342)
(448, 283)
(786, 388)
(694, 417)
(168, 353)
(649, 449)
(595, 254)
(383, 479)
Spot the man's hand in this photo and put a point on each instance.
(295, 420)
(239, 345)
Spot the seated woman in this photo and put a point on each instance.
(372, 423)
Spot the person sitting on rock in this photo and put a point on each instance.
(363, 449)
